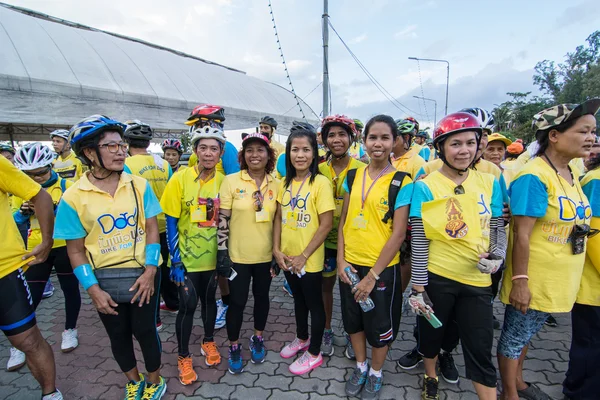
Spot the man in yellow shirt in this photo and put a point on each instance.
(404, 156)
(17, 317)
(67, 165)
(267, 126)
(157, 172)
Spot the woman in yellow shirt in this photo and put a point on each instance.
(368, 245)
(302, 221)
(245, 242)
(551, 217)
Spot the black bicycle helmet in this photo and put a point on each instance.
(299, 126)
(267, 120)
(138, 130)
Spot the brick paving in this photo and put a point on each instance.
(91, 373)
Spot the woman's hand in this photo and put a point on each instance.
(144, 286)
(341, 271)
(419, 301)
(520, 296)
(364, 288)
(102, 301)
(281, 259)
(297, 263)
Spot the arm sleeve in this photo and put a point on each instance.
(528, 197)
(497, 237)
(405, 195)
(420, 252)
(504, 190)
(151, 204)
(497, 199)
(68, 225)
(173, 239)
(421, 194)
(230, 159)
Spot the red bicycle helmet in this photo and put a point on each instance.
(206, 111)
(414, 121)
(455, 123)
(338, 120)
(173, 144)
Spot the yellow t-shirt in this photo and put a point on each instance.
(16, 182)
(482, 166)
(113, 227)
(589, 290)
(278, 147)
(338, 195)
(459, 227)
(197, 240)
(34, 237)
(363, 244)
(356, 151)
(411, 162)
(157, 172)
(525, 157)
(509, 170)
(309, 200)
(250, 232)
(69, 167)
(554, 271)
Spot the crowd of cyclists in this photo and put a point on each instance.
(461, 217)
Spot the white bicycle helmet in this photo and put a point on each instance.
(33, 156)
(61, 133)
(486, 118)
(208, 132)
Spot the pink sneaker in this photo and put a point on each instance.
(294, 348)
(305, 364)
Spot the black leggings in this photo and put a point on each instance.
(198, 286)
(38, 275)
(168, 289)
(238, 291)
(137, 321)
(308, 298)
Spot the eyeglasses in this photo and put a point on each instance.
(114, 147)
(40, 173)
(258, 205)
(459, 190)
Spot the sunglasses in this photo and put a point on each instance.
(258, 205)
(114, 147)
(40, 173)
(459, 190)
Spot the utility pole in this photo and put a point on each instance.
(447, 75)
(325, 58)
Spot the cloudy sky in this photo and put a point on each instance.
(492, 46)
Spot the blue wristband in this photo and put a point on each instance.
(152, 254)
(86, 276)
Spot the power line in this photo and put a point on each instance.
(422, 92)
(374, 81)
(309, 93)
(284, 63)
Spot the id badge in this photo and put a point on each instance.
(339, 203)
(198, 213)
(290, 221)
(360, 221)
(262, 216)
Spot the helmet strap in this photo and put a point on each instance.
(103, 167)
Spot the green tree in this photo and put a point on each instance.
(186, 141)
(518, 113)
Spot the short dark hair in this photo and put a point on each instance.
(544, 136)
(270, 163)
(91, 143)
(138, 143)
(314, 166)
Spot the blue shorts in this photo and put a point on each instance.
(518, 329)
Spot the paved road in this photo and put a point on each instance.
(91, 373)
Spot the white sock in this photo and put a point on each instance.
(362, 366)
(376, 373)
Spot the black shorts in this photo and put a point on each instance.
(471, 306)
(382, 323)
(17, 314)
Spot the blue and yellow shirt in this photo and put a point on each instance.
(589, 290)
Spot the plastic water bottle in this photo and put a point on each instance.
(366, 305)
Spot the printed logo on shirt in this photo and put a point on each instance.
(567, 206)
(299, 213)
(382, 206)
(109, 223)
(483, 209)
(456, 227)
(240, 193)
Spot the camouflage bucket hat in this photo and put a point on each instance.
(554, 116)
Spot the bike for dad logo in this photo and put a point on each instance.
(118, 232)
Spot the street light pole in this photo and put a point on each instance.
(325, 58)
(434, 107)
(447, 75)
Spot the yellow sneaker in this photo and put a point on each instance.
(155, 391)
(134, 390)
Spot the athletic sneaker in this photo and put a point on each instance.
(294, 348)
(159, 326)
(327, 343)
(286, 288)
(155, 391)
(372, 387)
(53, 396)
(430, 388)
(236, 366)
(187, 375)
(410, 360)
(48, 290)
(356, 382)
(551, 321)
(163, 307)
(257, 349)
(69, 340)
(16, 360)
(349, 352)
(221, 314)
(134, 390)
(447, 368)
(305, 363)
(211, 353)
